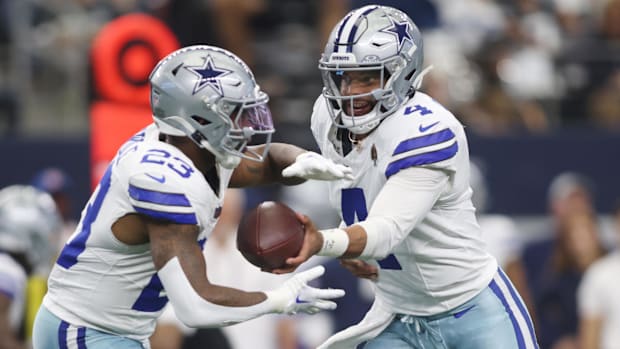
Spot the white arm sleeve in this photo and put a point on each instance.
(402, 203)
(195, 311)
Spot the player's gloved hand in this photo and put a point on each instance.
(310, 165)
(296, 296)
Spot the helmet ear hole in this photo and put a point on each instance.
(410, 75)
(202, 121)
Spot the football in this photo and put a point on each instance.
(269, 234)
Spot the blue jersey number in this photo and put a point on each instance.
(354, 204)
(76, 244)
(418, 109)
(162, 157)
(150, 299)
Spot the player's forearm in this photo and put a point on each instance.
(252, 173)
(231, 297)
(198, 309)
(280, 156)
(341, 243)
(357, 241)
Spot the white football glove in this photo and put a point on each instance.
(296, 296)
(310, 165)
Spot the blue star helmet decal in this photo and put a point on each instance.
(208, 75)
(401, 30)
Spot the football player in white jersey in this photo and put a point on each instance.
(407, 214)
(138, 243)
(29, 223)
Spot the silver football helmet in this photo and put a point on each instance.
(29, 224)
(210, 95)
(374, 39)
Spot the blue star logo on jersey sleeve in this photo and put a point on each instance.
(402, 32)
(208, 75)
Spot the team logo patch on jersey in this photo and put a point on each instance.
(208, 75)
(217, 212)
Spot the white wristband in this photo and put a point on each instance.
(335, 242)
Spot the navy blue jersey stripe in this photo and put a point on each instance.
(421, 159)
(424, 141)
(157, 197)
(179, 218)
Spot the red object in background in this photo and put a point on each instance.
(123, 55)
(111, 124)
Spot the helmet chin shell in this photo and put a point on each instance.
(361, 124)
(372, 38)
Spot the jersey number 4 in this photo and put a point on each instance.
(354, 204)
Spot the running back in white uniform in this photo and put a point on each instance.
(114, 287)
(420, 133)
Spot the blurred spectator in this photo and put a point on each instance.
(424, 13)
(553, 266)
(495, 111)
(598, 301)
(58, 184)
(590, 63)
(604, 103)
(500, 231)
(471, 23)
(226, 266)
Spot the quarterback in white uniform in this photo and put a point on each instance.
(407, 213)
(138, 243)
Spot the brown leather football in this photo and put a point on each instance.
(269, 234)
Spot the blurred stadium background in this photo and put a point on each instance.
(536, 82)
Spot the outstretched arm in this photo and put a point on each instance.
(199, 303)
(402, 203)
(289, 165)
(280, 156)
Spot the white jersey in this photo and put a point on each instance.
(13, 282)
(597, 297)
(442, 262)
(102, 283)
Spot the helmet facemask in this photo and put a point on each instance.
(371, 38)
(386, 101)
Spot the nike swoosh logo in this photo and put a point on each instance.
(426, 128)
(299, 301)
(160, 179)
(462, 312)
